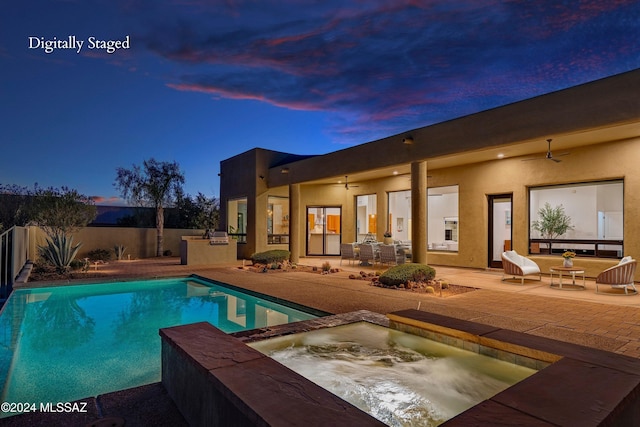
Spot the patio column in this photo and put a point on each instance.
(294, 222)
(419, 212)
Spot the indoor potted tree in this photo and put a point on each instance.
(552, 223)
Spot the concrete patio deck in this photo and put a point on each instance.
(604, 322)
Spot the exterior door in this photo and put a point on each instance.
(324, 225)
(500, 212)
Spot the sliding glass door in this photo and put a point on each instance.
(323, 230)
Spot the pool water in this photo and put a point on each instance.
(398, 378)
(65, 343)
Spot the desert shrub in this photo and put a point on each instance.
(99, 255)
(403, 273)
(269, 257)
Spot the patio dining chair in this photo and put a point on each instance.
(620, 276)
(368, 254)
(348, 252)
(388, 254)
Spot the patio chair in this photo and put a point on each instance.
(388, 255)
(348, 252)
(516, 265)
(619, 276)
(368, 253)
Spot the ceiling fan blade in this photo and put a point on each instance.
(549, 155)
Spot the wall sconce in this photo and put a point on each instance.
(284, 170)
(408, 140)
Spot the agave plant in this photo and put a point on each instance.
(59, 251)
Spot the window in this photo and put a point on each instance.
(237, 218)
(366, 216)
(442, 221)
(596, 211)
(277, 220)
(399, 222)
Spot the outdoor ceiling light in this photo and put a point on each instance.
(284, 170)
(408, 140)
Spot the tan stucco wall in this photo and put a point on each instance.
(140, 242)
(606, 161)
(594, 163)
(194, 250)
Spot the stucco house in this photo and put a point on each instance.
(458, 193)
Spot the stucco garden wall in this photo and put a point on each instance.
(140, 242)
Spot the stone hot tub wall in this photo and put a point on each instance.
(216, 379)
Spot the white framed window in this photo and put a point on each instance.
(277, 220)
(443, 222)
(596, 213)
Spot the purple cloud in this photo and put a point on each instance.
(377, 68)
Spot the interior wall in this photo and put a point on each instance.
(440, 207)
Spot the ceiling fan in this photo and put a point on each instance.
(346, 183)
(549, 155)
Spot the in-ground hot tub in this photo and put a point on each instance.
(215, 378)
(399, 378)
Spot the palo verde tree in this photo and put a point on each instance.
(58, 212)
(156, 185)
(61, 212)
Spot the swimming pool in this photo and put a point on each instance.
(64, 343)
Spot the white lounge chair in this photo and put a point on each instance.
(516, 265)
(619, 276)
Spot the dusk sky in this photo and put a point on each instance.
(199, 81)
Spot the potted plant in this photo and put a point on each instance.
(388, 239)
(552, 222)
(568, 258)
